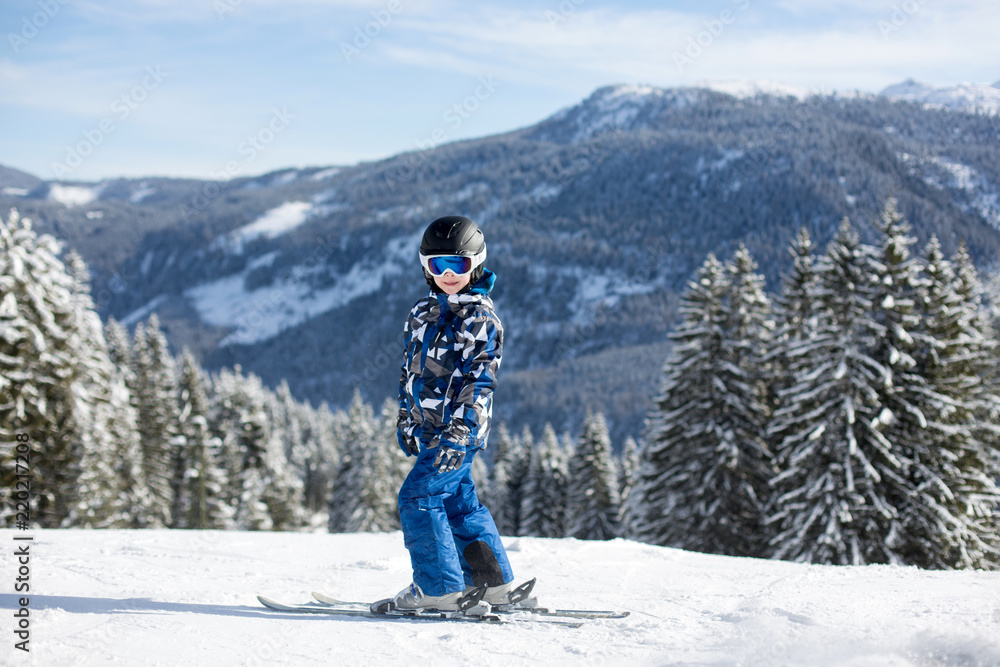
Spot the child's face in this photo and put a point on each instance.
(449, 283)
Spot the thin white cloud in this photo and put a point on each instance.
(593, 44)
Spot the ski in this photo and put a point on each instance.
(522, 604)
(360, 612)
(367, 613)
(566, 613)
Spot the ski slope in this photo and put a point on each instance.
(188, 598)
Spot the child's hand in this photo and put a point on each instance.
(404, 434)
(449, 457)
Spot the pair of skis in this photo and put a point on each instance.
(472, 609)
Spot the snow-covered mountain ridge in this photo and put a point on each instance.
(969, 97)
(188, 597)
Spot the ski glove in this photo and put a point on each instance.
(404, 434)
(449, 457)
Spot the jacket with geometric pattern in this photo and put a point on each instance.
(452, 351)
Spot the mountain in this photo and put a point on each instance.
(968, 97)
(595, 219)
(127, 597)
(15, 182)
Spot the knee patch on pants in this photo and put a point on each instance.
(485, 568)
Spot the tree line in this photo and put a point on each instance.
(853, 419)
(122, 434)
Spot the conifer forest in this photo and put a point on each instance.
(848, 415)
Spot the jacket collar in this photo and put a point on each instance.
(478, 293)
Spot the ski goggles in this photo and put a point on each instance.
(460, 265)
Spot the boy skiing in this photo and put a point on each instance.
(452, 347)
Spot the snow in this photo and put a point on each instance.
(143, 312)
(15, 192)
(275, 222)
(970, 97)
(140, 194)
(259, 314)
(940, 173)
(189, 597)
(325, 173)
(74, 195)
(748, 89)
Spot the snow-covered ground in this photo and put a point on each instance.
(188, 598)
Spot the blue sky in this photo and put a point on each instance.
(216, 88)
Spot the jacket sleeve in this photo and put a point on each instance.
(472, 406)
(404, 425)
(403, 370)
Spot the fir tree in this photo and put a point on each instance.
(111, 493)
(592, 501)
(956, 475)
(793, 313)
(506, 477)
(363, 500)
(834, 499)
(543, 499)
(627, 467)
(201, 502)
(897, 332)
(48, 347)
(703, 463)
(263, 490)
(155, 397)
(119, 346)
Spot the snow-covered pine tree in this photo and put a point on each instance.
(397, 465)
(362, 499)
(111, 488)
(119, 346)
(957, 474)
(154, 395)
(201, 503)
(47, 402)
(898, 331)
(703, 462)
(793, 314)
(627, 466)
(748, 402)
(504, 499)
(985, 360)
(543, 500)
(324, 430)
(592, 500)
(681, 429)
(263, 489)
(833, 499)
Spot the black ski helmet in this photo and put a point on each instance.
(453, 235)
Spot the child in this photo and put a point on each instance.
(452, 347)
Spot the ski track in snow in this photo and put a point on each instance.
(188, 597)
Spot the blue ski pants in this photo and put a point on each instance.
(452, 539)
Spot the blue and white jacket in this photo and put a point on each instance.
(452, 349)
